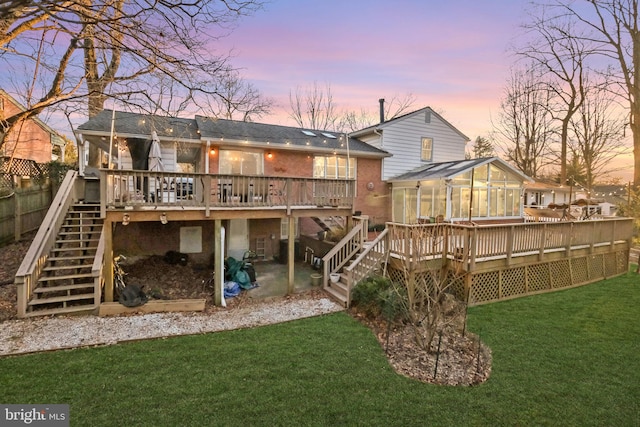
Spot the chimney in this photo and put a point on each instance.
(381, 101)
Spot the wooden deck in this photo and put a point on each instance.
(126, 189)
(495, 262)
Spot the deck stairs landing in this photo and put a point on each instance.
(66, 284)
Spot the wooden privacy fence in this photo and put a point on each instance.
(22, 211)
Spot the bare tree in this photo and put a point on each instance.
(351, 121)
(313, 108)
(562, 60)
(428, 287)
(598, 133)
(94, 50)
(613, 25)
(524, 127)
(239, 99)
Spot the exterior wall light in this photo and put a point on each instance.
(125, 219)
(163, 218)
(269, 155)
(213, 151)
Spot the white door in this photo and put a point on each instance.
(238, 234)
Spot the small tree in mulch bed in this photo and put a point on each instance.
(420, 323)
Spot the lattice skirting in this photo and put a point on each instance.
(507, 283)
(546, 276)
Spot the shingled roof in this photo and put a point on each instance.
(227, 132)
(133, 124)
(292, 137)
(447, 170)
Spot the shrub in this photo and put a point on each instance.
(378, 296)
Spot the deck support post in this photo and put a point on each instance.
(108, 255)
(218, 266)
(291, 255)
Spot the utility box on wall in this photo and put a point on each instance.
(191, 240)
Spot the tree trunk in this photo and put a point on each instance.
(635, 130)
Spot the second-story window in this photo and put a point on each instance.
(426, 153)
(334, 167)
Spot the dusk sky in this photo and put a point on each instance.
(451, 55)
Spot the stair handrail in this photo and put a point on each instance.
(355, 271)
(97, 269)
(341, 253)
(36, 257)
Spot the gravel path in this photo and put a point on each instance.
(55, 333)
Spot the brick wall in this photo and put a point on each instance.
(373, 195)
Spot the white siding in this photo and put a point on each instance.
(403, 139)
(168, 158)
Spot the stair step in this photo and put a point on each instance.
(84, 308)
(74, 248)
(65, 298)
(66, 267)
(86, 216)
(341, 286)
(90, 226)
(70, 258)
(76, 240)
(45, 289)
(80, 234)
(64, 277)
(338, 296)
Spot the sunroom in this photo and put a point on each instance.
(473, 190)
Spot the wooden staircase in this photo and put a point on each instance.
(66, 284)
(352, 260)
(341, 290)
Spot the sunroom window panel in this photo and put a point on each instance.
(426, 202)
(411, 208)
(455, 202)
(481, 196)
(398, 205)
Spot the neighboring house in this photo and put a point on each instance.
(31, 139)
(255, 167)
(541, 194)
(610, 197)
(475, 190)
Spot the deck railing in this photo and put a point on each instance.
(369, 260)
(342, 253)
(474, 243)
(125, 188)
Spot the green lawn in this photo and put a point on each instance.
(565, 358)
